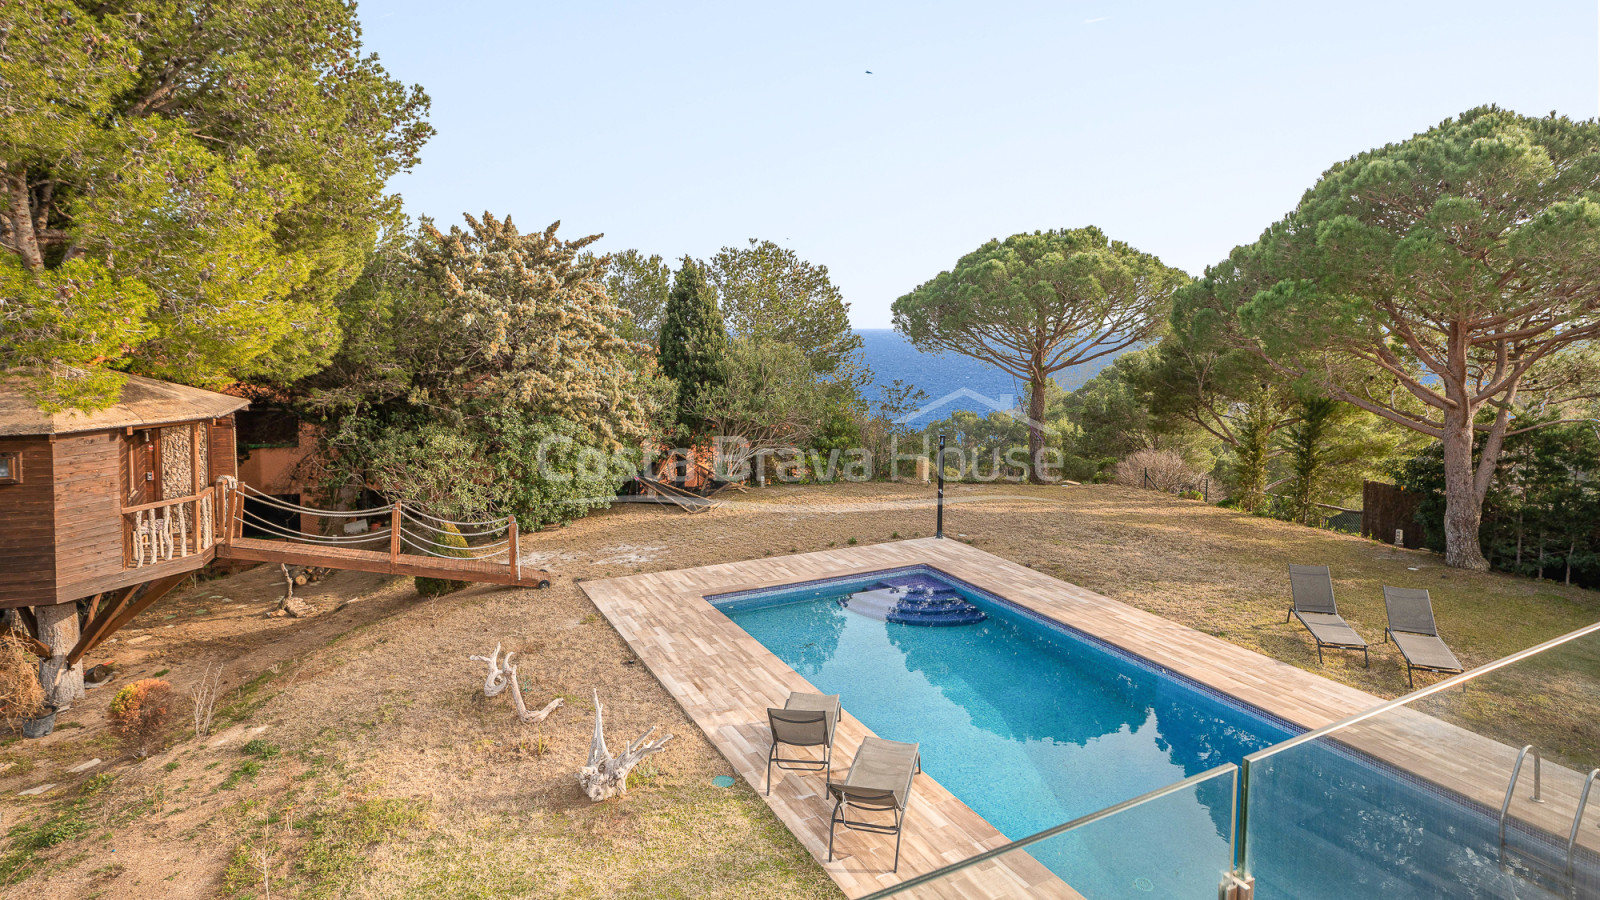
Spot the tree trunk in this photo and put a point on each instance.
(58, 629)
(1036, 400)
(1462, 507)
(23, 237)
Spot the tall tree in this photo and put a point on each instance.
(770, 294)
(1307, 442)
(1441, 282)
(639, 284)
(1036, 304)
(694, 343)
(1229, 393)
(767, 403)
(482, 371)
(226, 160)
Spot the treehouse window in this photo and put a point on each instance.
(10, 468)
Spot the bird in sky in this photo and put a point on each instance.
(869, 71)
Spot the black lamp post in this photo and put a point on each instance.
(938, 464)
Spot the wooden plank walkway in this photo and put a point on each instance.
(482, 570)
(725, 680)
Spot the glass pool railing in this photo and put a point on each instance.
(1162, 844)
(1419, 797)
(1414, 798)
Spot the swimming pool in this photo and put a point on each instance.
(1032, 723)
(1028, 723)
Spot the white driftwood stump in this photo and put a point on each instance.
(606, 776)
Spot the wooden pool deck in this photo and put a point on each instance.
(725, 680)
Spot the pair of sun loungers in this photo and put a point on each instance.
(1411, 623)
(879, 780)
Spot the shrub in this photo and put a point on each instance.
(450, 543)
(1162, 470)
(1192, 495)
(21, 695)
(140, 712)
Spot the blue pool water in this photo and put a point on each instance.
(1033, 724)
(1026, 723)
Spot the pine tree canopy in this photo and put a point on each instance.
(187, 186)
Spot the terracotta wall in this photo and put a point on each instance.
(282, 470)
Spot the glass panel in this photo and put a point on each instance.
(1405, 801)
(1175, 842)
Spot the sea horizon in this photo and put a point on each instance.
(891, 357)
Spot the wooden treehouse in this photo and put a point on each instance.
(106, 512)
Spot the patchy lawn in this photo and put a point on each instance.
(357, 757)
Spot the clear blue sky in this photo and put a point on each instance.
(1183, 128)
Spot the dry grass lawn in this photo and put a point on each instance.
(357, 757)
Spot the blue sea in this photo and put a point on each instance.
(941, 375)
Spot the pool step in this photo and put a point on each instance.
(921, 606)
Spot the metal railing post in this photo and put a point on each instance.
(938, 530)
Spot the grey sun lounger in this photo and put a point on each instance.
(1312, 588)
(806, 720)
(1413, 630)
(879, 781)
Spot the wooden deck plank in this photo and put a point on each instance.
(725, 679)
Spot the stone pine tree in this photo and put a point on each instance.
(693, 343)
(1446, 283)
(1036, 304)
(186, 185)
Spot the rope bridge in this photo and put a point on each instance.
(413, 543)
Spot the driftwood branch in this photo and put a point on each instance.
(527, 718)
(498, 677)
(501, 674)
(606, 776)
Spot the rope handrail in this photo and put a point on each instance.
(479, 552)
(432, 553)
(416, 521)
(282, 531)
(325, 513)
(499, 521)
(470, 547)
(408, 527)
(331, 541)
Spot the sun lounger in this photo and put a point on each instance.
(1312, 588)
(879, 781)
(1412, 628)
(806, 720)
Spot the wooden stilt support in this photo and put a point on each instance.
(516, 551)
(28, 620)
(154, 591)
(32, 643)
(99, 624)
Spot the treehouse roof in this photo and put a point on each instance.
(145, 403)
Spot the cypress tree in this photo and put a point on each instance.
(694, 341)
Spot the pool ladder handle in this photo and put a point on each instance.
(1577, 820)
(1577, 817)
